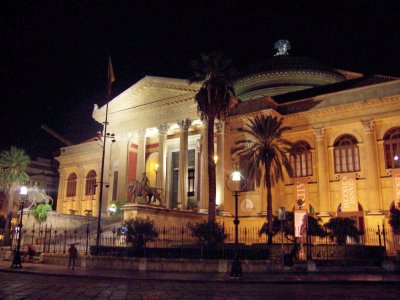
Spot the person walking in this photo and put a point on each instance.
(73, 255)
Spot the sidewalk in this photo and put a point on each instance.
(320, 277)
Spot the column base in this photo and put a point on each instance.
(263, 214)
(203, 211)
(224, 213)
(374, 212)
(324, 214)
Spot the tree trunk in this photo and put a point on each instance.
(10, 198)
(211, 168)
(269, 204)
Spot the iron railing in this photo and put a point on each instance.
(179, 242)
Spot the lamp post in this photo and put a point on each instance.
(16, 263)
(105, 136)
(236, 183)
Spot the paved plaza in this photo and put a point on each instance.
(37, 286)
(40, 281)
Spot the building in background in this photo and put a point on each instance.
(345, 124)
(42, 172)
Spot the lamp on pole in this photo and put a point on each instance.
(23, 195)
(236, 183)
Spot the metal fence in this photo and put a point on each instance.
(252, 245)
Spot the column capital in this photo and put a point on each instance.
(220, 126)
(319, 133)
(163, 128)
(368, 125)
(184, 124)
(141, 132)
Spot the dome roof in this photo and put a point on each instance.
(283, 74)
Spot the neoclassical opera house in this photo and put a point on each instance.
(346, 126)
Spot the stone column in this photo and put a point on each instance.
(119, 162)
(203, 205)
(141, 153)
(323, 173)
(80, 192)
(162, 158)
(183, 162)
(372, 175)
(220, 167)
(61, 192)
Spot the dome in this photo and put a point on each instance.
(283, 74)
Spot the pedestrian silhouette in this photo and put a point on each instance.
(73, 255)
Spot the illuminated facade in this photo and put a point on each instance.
(346, 126)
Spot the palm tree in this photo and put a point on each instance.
(13, 164)
(265, 154)
(214, 99)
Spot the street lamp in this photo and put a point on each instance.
(23, 195)
(236, 183)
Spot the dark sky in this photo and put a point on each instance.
(53, 54)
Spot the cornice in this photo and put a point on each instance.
(340, 109)
(281, 74)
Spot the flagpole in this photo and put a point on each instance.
(111, 79)
(101, 182)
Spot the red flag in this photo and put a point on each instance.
(110, 77)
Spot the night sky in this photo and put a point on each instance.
(53, 54)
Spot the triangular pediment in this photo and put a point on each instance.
(149, 91)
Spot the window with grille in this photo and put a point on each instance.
(90, 183)
(301, 160)
(346, 154)
(71, 185)
(392, 148)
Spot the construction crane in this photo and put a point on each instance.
(56, 135)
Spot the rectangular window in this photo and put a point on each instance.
(356, 160)
(191, 182)
(388, 156)
(343, 160)
(115, 186)
(350, 159)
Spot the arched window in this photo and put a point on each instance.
(301, 160)
(90, 183)
(392, 148)
(71, 185)
(346, 153)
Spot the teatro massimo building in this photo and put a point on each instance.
(346, 126)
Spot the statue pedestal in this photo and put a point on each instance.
(162, 216)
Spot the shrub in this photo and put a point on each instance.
(314, 227)
(40, 212)
(341, 228)
(139, 231)
(209, 234)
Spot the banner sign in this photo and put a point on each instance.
(396, 186)
(349, 192)
(301, 191)
(300, 222)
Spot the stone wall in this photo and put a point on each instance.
(168, 265)
(56, 220)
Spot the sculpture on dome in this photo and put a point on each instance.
(282, 47)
